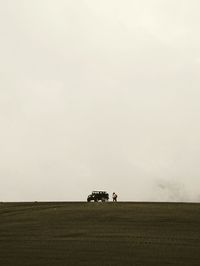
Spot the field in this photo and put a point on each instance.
(33, 234)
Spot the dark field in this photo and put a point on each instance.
(99, 234)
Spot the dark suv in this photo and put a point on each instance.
(98, 196)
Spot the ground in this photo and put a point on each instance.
(58, 234)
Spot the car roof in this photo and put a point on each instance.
(97, 191)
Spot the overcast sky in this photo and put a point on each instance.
(99, 95)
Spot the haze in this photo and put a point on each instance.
(99, 95)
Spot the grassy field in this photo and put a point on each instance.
(33, 234)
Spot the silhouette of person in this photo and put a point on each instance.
(114, 196)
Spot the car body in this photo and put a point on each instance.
(98, 196)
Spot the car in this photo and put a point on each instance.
(98, 196)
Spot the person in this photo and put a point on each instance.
(114, 196)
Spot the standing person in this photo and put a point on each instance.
(114, 196)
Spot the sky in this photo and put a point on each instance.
(99, 95)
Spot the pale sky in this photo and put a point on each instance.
(99, 95)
